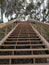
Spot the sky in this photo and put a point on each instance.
(28, 1)
(5, 19)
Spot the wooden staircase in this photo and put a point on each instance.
(24, 47)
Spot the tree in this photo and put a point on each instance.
(21, 7)
(2, 7)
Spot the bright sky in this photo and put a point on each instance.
(34, 1)
(45, 2)
(28, 1)
(5, 19)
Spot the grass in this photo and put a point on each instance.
(2, 30)
(1, 24)
(45, 31)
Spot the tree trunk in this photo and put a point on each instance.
(1, 13)
(1, 16)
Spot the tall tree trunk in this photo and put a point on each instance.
(1, 16)
(1, 12)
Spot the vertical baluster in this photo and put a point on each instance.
(33, 60)
(5, 30)
(41, 27)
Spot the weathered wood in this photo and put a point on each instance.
(29, 64)
(24, 37)
(6, 24)
(23, 44)
(25, 49)
(23, 56)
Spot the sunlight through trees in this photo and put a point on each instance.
(36, 9)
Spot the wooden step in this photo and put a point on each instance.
(23, 44)
(23, 37)
(24, 47)
(24, 56)
(29, 64)
(24, 52)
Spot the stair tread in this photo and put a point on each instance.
(24, 47)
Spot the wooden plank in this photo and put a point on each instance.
(28, 64)
(24, 38)
(24, 41)
(23, 56)
(25, 49)
(10, 57)
(8, 23)
(23, 44)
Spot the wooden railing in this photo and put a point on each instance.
(5, 28)
(43, 28)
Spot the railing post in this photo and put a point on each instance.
(5, 30)
(12, 25)
(41, 29)
(33, 60)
